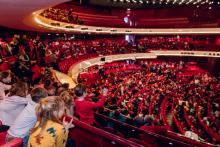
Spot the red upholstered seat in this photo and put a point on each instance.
(2, 137)
(14, 143)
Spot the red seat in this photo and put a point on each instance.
(2, 137)
(14, 143)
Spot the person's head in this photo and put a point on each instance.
(38, 93)
(139, 120)
(114, 101)
(117, 114)
(80, 90)
(60, 90)
(50, 108)
(66, 85)
(67, 98)
(148, 119)
(6, 77)
(19, 89)
(47, 84)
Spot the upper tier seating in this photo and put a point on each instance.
(159, 18)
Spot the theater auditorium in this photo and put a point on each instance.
(109, 73)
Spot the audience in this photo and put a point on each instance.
(146, 88)
(128, 91)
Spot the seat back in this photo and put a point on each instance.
(2, 137)
(14, 143)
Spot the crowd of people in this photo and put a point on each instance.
(131, 91)
(137, 91)
(51, 53)
(35, 109)
(62, 15)
(33, 103)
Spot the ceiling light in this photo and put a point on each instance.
(134, 1)
(140, 1)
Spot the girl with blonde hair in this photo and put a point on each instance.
(69, 102)
(49, 131)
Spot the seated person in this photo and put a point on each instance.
(150, 128)
(85, 108)
(49, 130)
(13, 105)
(27, 118)
(152, 125)
(117, 116)
(139, 120)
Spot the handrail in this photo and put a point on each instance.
(170, 135)
(165, 19)
(94, 15)
(100, 132)
(200, 142)
(156, 136)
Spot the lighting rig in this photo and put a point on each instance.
(169, 2)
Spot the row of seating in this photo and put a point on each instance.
(208, 130)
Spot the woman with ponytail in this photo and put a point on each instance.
(49, 131)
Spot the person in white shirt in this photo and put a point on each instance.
(27, 118)
(13, 105)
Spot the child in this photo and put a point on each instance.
(49, 130)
